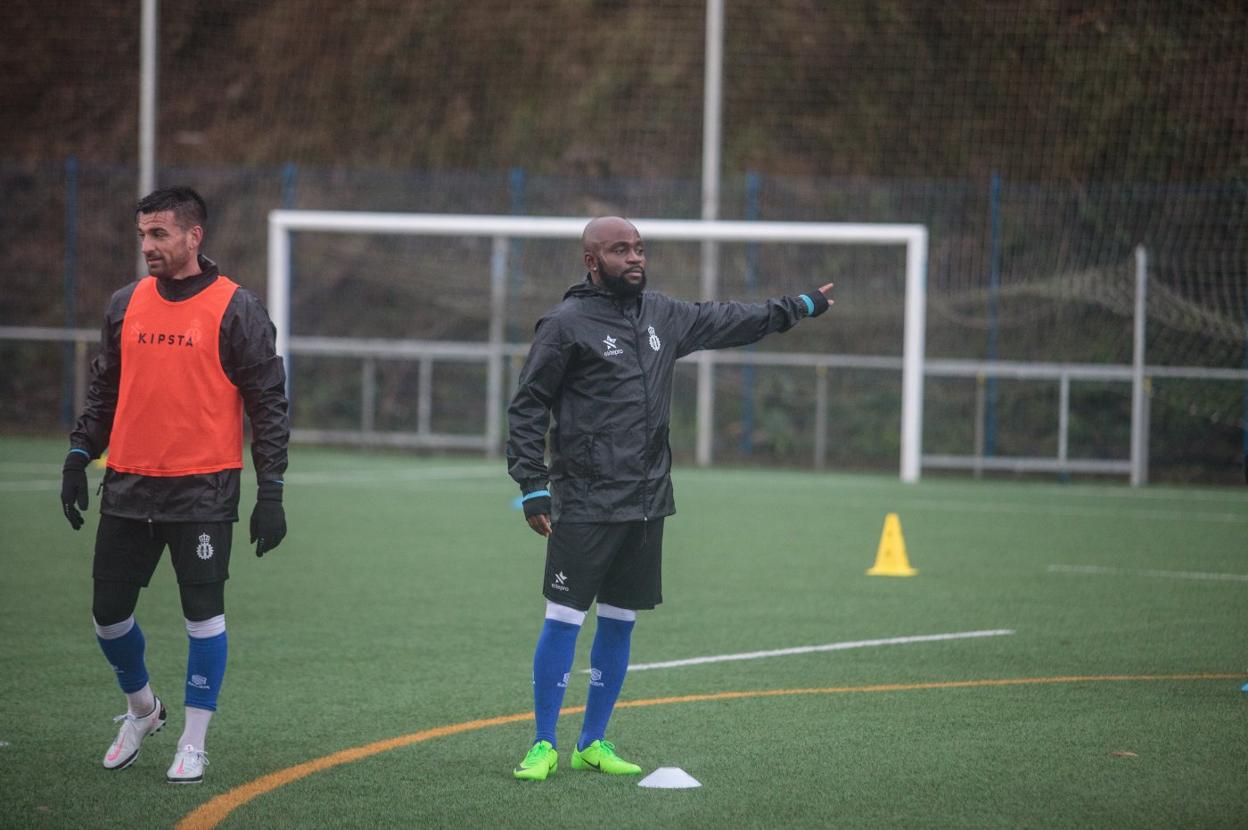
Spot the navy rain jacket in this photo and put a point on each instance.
(602, 366)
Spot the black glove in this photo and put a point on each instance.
(819, 300)
(268, 519)
(74, 487)
(535, 505)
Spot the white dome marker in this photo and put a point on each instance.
(669, 778)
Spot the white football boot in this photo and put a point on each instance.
(134, 729)
(187, 767)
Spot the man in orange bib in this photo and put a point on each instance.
(184, 353)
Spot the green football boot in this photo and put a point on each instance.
(539, 763)
(600, 757)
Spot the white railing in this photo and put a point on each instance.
(428, 353)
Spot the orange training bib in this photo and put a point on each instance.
(177, 412)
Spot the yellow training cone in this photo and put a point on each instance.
(890, 558)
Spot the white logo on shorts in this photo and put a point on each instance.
(204, 551)
(561, 582)
(198, 681)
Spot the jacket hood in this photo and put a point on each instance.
(188, 287)
(587, 288)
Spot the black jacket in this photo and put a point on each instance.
(246, 343)
(602, 366)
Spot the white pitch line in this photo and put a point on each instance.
(411, 476)
(1073, 511)
(785, 652)
(28, 486)
(1102, 569)
(22, 467)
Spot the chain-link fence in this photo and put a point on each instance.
(1039, 142)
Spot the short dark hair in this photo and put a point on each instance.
(187, 206)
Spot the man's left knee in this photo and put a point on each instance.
(203, 601)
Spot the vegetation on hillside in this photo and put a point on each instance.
(1040, 90)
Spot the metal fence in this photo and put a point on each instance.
(1019, 273)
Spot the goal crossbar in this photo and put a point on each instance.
(501, 228)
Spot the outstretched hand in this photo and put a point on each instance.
(818, 301)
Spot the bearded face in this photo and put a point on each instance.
(627, 281)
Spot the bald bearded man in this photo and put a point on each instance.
(601, 364)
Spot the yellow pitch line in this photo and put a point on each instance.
(212, 813)
(909, 687)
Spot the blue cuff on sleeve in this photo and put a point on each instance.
(810, 304)
(81, 450)
(535, 495)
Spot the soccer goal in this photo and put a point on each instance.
(502, 232)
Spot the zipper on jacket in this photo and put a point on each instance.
(645, 404)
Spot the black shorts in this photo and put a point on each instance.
(618, 563)
(127, 550)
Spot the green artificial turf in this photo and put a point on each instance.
(407, 597)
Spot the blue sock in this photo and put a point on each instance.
(125, 654)
(552, 665)
(608, 659)
(205, 669)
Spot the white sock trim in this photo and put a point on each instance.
(195, 733)
(562, 613)
(613, 613)
(211, 627)
(112, 632)
(141, 703)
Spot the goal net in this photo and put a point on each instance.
(466, 290)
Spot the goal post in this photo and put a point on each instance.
(503, 228)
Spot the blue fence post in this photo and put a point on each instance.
(71, 288)
(994, 289)
(752, 185)
(515, 190)
(516, 183)
(290, 185)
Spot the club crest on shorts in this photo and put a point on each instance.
(655, 343)
(204, 549)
